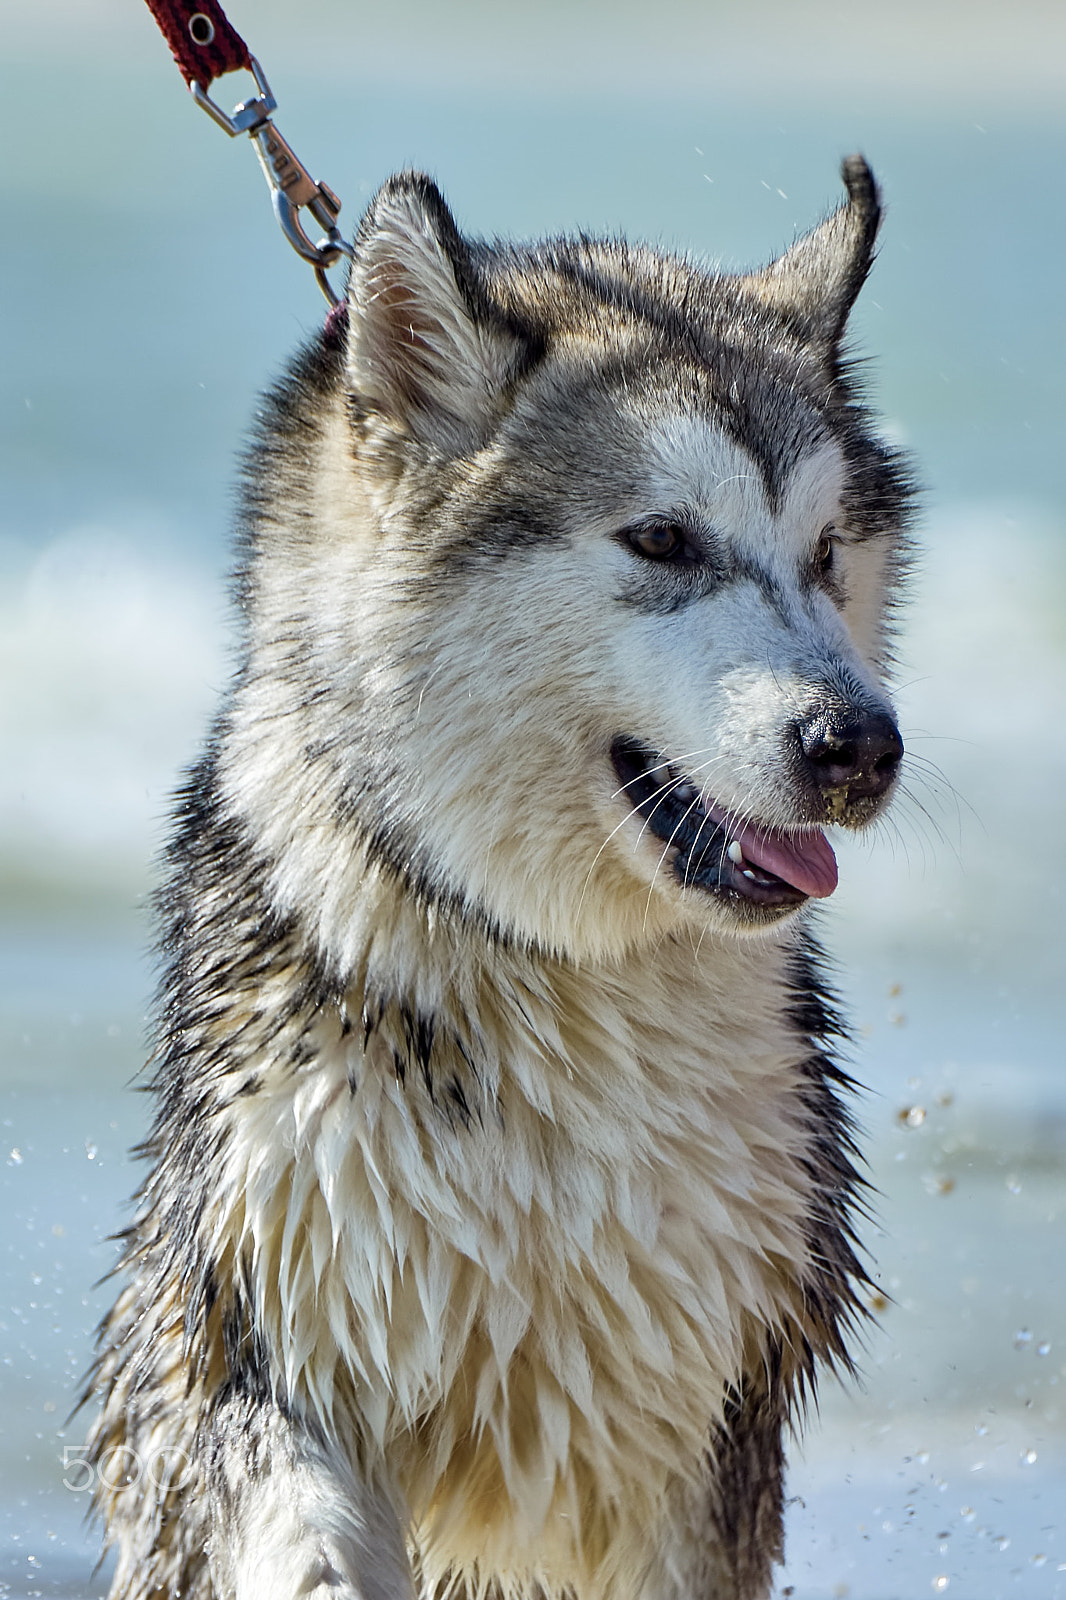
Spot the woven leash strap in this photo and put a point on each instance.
(203, 43)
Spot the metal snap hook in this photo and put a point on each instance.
(292, 187)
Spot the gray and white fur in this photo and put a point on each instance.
(500, 1195)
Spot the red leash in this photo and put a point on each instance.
(206, 46)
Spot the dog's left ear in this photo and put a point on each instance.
(814, 284)
(425, 349)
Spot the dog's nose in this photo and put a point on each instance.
(851, 749)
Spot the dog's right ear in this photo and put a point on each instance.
(425, 350)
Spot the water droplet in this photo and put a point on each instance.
(1002, 1543)
(1014, 1184)
(90, 1150)
(922, 1456)
(1028, 1458)
(1023, 1338)
(912, 1116)
(967, 1513)
(1040, 1559)
(15, 1157)
(980, 1429)
(1044, 1347)
(941, 1582)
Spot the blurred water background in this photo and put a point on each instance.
(147, 296)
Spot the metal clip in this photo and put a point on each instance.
(249, 114)
(292, 188)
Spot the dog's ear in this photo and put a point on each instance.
(814, 285)
(425, 349)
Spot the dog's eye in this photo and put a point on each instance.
(659, 541)
(825, 550)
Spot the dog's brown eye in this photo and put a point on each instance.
(823, 554)
(659, 541)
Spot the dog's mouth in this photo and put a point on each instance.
(709, 849)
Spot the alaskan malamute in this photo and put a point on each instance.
(500, 1206)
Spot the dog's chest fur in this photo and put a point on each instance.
(523, 1227)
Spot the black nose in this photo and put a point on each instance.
(848, 749)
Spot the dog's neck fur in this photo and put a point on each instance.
(529, 1158)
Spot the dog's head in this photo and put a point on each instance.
(592, 585)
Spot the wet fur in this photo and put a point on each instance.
(500, 1194)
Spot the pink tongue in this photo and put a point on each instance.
(806, 861)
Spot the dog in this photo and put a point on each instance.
(502, 1185)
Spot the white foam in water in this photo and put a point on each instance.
(111, 657)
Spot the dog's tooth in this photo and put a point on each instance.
(749, 874)
(735, 853)
(660, 774)
(685, 792)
